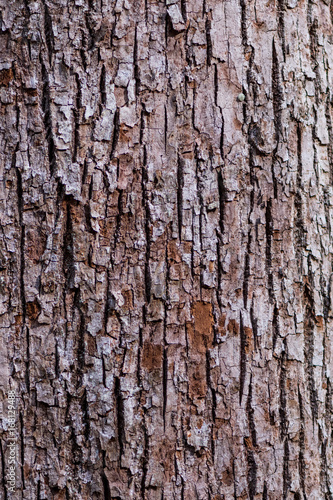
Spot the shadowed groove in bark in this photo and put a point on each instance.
(46, 106)
(309, 332)
(120, 417)
(269, 239)
(145, 204)
(180, 186)
(283, 394)
(3, 471)
(22, 448)
(301, 460)
(242, 358)
(252, 471)
(250, 415)
(106, 487)
(286, 473)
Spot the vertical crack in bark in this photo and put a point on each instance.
(286, 473)
(269, 239)
(106, 487)
(222, 199)
(309, 329)
(76, 114)
(275, 326)
(46, 106)
(264, 493)
(252, 471)
(242, 358)
(277, 107)
(301, 457)
(48, 30)
(235, 482)
(22, 450)
(246, 270)
(208, 27)
(299, 224)
(165, 382)
(283, 394)
(145, 463)
(3, 471)
(244, 23)
(330, 137)
(68, 250)
(250, 415)
(145, 204)
(325, 483)
(136, 62)
(115, 135)
(120, 417)
(25, 329)
(180, 186)
(281, 8)
(254, 323)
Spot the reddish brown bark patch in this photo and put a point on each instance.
(151, 356)
(201, 337)
(36, 244)
(197, 381)
(6, 76)
(33, 310)
(233, 327)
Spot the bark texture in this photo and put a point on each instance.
(166, 248)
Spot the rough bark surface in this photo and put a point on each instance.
(166, 248)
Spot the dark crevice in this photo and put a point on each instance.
(3, 470)
(120, 417)
(277, 95)
(222, 199)
(299, 224)
(145, 464)
(283, 394)
(22, 450)
(56, 368)
(286, 473)
(165, 383)
(265, 493)
(106, 487)
(180, 186)
(209, 42)
(243, 23)
(309, 332)
(301, 458)
(48, 29)
(246, 271)
(281, 8)
(116, 130)
(145, 204)
(254, 323)
(250, 415)
(102, 86)
(251, 472)
(330, 136)
(46, 106)
(68, 250)
(136, 63)
(242, 359)
(275, 326)
(269, 240)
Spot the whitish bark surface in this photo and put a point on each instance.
(166, 248)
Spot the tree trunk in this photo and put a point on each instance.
(166, 252)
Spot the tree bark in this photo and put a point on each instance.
(166, 250)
